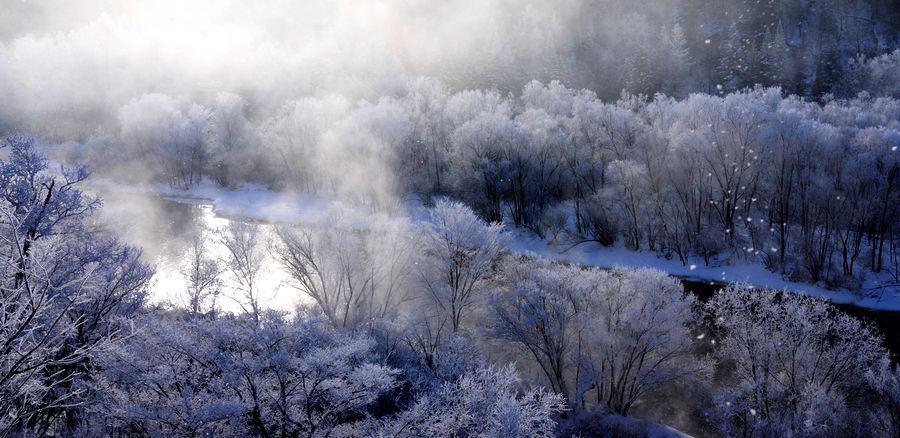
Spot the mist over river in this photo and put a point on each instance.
(164, 228)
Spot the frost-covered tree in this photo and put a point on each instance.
(876, 76)
(884, 379)
(796, 365)
(168, 134)
(638, 337)
(292, 136)
(631, 179)
(605, 339)
(329, 265)
(232, 157)
(660, 64)
(202, 274)
(245, 256)
(744, 63)
(488, 147)
(485, 402)
(272, 377)
(424, 159)
(542, 314)
(461, 252)
(354, 276)
(67, 291)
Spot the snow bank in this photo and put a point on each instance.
(593, 254)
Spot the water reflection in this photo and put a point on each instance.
(164, 228)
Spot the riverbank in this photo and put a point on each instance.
(593, 254)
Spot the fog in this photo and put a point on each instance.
(76, 63)
(67, 67)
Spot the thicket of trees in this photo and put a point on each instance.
(810, 190)
(411, 330)
(69, 291)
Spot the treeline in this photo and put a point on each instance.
(408, 333)
(810, 190)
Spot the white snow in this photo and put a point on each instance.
(593, 254)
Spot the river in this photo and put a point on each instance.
(163, 227)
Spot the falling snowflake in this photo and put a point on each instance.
(693, 267)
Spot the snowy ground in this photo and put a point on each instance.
(258, 203)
